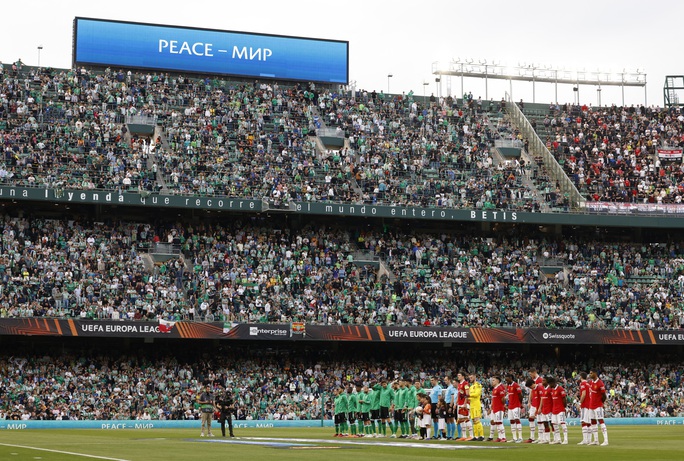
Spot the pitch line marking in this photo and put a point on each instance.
(62, 452)
(378, 443)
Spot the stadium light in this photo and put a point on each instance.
(40, 47)
(535, 73)
(389, 76)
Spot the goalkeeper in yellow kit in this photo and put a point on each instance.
(474, 396)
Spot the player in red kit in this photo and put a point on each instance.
(535, 379)
(544, 412)
(514, 408)
(558, 403)
(584, 409)
(499, 394)
(463, 408)
(597, 397)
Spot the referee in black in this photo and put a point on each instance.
(226, 410)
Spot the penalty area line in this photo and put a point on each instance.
(61, 452)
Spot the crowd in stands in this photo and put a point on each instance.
(292, 385)
(64, 268)
(434, 154)
(65, 129)
(256, 271)
(611, 153)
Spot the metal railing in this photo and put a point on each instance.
(140, 119)
(330, 132)
(538, 148)
(508, 143)
(166, 248)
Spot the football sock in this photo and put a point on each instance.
(533, 429)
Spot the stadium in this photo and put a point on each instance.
(194, 231)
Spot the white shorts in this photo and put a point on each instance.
(441, 424)
(584, 416)
(497, 417)
(427, 420)
(596, 413)
(533, 412)
(513, 413)
(544, 418)
(558, 418)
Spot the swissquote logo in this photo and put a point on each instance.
(558, 336)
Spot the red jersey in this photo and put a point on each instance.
(584, 388)
(462, 396)
(558, 400)
(514, 393)
(545, 400)
(596, 392)
(536, 395)
(498, 396)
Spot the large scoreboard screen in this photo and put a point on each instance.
(172, 48)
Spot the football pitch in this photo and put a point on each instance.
(626, 443)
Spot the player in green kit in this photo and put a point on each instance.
(386, 402)
(375, 410)
(341, 409)
(365, 404)
(401, 394)
(353, 404)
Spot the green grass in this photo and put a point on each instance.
(626, 443)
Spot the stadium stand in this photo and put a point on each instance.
(217, 138)
(243, 272)
(289, 385)
(611, 153)
(158, 133)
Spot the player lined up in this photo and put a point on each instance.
(455, 412)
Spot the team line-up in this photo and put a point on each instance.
(454, 411)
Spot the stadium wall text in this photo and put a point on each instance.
(495, 216)
(103, 197)
(110, 425)
(303, 332)
(113, 425)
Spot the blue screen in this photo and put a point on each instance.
(148, 46)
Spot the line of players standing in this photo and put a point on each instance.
(454, 412)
